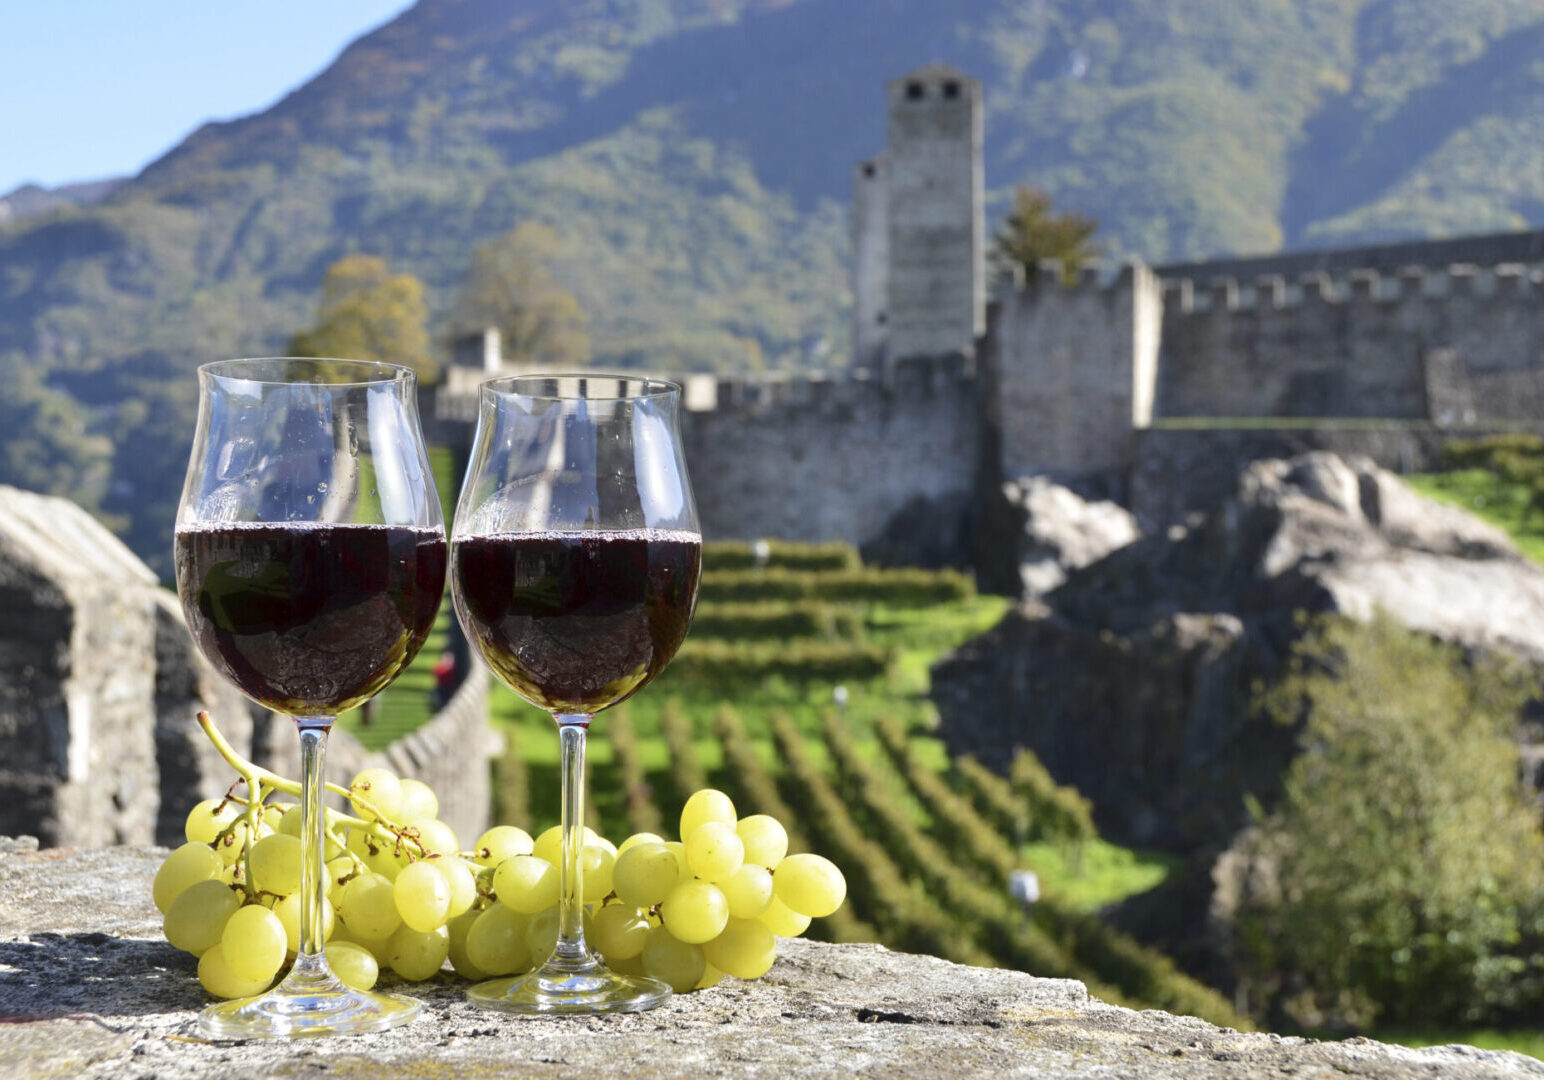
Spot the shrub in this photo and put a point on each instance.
(782, 554)
(1395, 877)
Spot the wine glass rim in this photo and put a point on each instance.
(269, 370)
(577, 385)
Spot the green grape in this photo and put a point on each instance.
(695, 911)
(645, 873)
(185, 867)
(673, 961)
(636, 839)
(541, 937)
(208, 819)
(290, 825)
(436, 837)
(599, 865)
(549, 845)
(632, 965)
(810, 885)
(253, 942)
(459, 929)
(368, 907)
(595, 839)
(782, 921)
(422, 896)
(745, 949)
(714, 851)
(526, 883)
(418, 801)
(352, 963)
(704, 806)
(765, 839)
(275, 862)
(221, 981)
(230, 845)
(288, 911)
(678, 849)
(711, 976)
(235, 874)
(501, 842)
(382, 854)
(416, 955)
(618, 931)
(380, 788)
(196, 918)
(496, 941)
(748, 890)
(338, 871)
(463, 884)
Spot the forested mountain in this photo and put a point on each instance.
(694, 158)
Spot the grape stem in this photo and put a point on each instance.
(257, 778)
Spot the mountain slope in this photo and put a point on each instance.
(694, 155)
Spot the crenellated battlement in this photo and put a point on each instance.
(1184, 296)
(753, 395)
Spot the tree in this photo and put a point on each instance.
(49, 445)
(510, 286)
(1032, 233)
(1399, 880)
(368, 313)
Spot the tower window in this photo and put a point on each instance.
(868, 168)
(881, 318)
(914, 91)
(951, 89)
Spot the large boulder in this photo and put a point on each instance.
(1063, 531)
(1133, 681)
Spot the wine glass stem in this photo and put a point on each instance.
(571, 733)
(313, 843)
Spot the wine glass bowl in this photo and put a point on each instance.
(310, 557)
(575, 560)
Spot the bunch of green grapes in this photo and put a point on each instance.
(686, 912)
(401, 895)
(395, 878)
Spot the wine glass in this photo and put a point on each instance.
(575, 559)
(310, 555)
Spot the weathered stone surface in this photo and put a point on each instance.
(77, 674)
(1064, 531)
(88, 989)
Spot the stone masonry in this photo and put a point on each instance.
(90, 990)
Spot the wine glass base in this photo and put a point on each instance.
(554, 989)
(279, 1014)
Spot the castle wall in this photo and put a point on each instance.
(936, 238)
(1418, 345)
(1072, 369)
(832, 459)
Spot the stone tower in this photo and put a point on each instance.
(925, 192)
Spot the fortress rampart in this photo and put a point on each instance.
(1150, 385)
(1454, 344)
(833, 459)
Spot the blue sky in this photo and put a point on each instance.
(98, 88)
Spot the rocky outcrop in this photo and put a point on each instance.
(1062, 531)
(1133, 681)
(92, 991)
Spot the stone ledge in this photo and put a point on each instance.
(89, 989)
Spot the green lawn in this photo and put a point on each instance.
(1488, 496)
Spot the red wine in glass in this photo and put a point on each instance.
(577, 621)
(310, 618)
